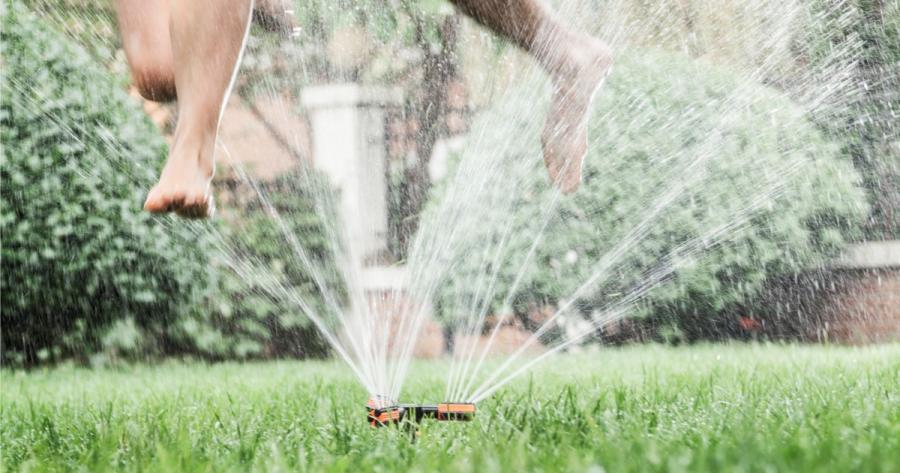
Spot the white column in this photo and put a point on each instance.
(348, 133)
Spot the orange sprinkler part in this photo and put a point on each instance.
(381, 417)
(380, 413)
(455, 411)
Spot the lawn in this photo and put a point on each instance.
(642, 408)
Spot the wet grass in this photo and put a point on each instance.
(708, 408)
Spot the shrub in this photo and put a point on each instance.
(868, 125)
(78, 251)
(657, 113)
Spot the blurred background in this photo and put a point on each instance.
(88, 277)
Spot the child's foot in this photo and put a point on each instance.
(565, 137)
(184, 184)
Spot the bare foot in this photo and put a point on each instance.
(184, 184)
(575, 82)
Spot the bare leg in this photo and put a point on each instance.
(577, 64)
(144, 26)
(207, 37)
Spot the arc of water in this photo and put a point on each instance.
(429, 251)
(276, 290)
(611, 313)
(669, 264)
(602, 268)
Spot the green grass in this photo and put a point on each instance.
(707, 408)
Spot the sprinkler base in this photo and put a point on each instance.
(381, 414)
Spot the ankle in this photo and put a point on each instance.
(580, 54)
(193, 153)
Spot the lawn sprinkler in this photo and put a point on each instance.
(382, 412)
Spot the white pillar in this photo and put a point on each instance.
(348, 133)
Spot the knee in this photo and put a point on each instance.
(155, 80)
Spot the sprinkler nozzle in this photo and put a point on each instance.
(380, 402)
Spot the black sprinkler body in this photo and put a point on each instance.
(381, 413)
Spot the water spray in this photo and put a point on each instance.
(382, 412)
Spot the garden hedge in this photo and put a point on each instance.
(78, 251)
(869, 124)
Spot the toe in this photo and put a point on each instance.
(193, 212)
(198, 209)
(156, 202)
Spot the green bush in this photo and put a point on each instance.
(868, 124)
(657, 113)
(78, 251)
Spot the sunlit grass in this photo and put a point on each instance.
(708, 408)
